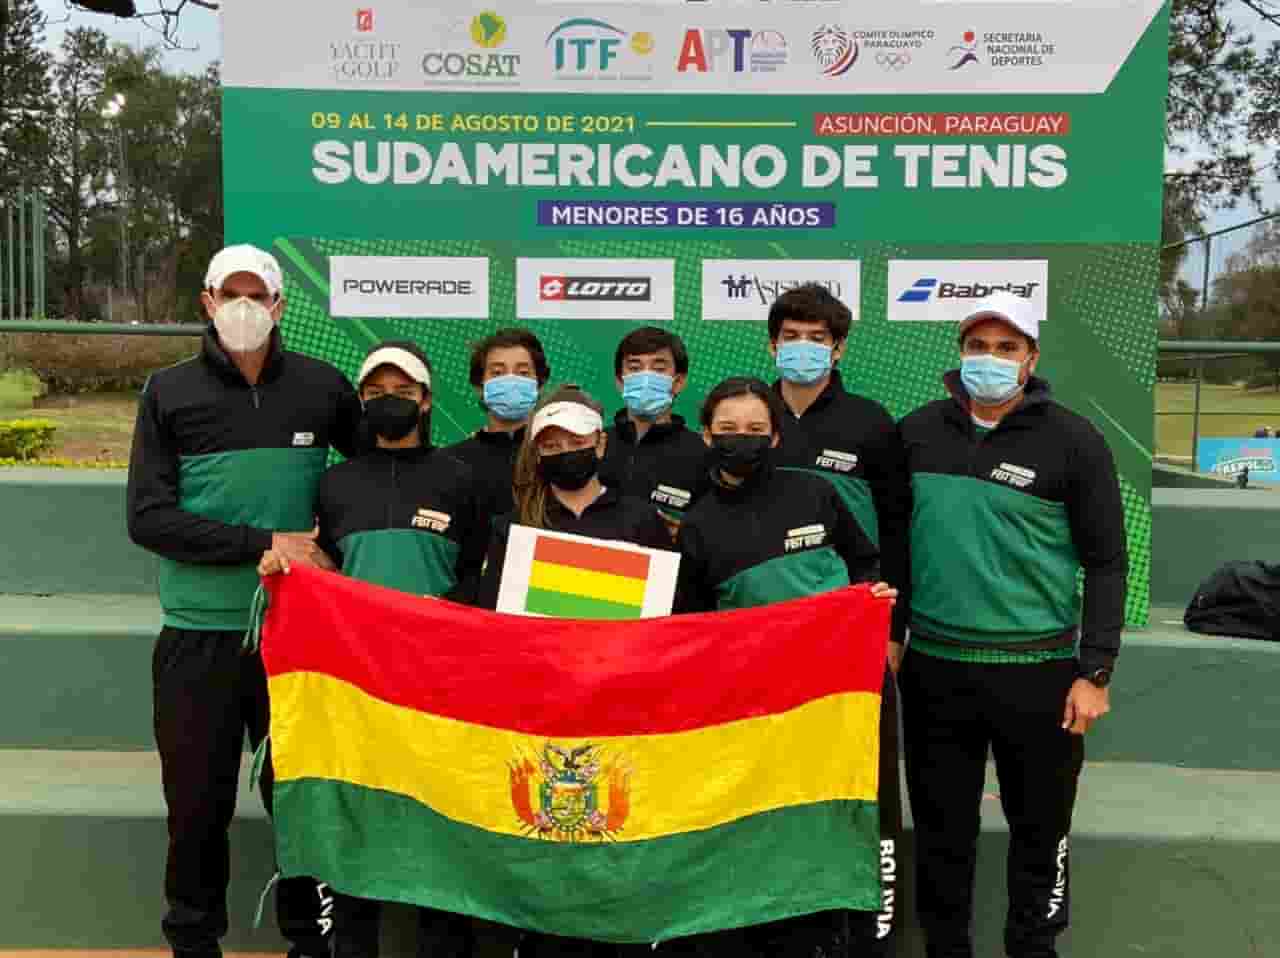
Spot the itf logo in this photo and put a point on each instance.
(584, 47)
(919, 292)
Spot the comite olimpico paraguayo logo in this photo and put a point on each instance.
(571, 793)
(834, 50)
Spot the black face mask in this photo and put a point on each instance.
(392, 417)
(569, 470)
(740, 454)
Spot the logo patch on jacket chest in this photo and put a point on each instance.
(1017, 476)
(671, 496)
(431, 520)
(304, 438)
(837, 461)
(805, 537)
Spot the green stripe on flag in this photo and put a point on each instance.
(566, 606)
(383, 846)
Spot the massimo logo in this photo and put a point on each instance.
(671, 496)
(839, 461)
(431, 520)
(805, 536)
(1015, 476)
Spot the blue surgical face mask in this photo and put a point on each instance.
(647, 394)
(802, 362)
(510, 398)
(990, 380)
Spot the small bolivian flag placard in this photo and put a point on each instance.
(576, 577)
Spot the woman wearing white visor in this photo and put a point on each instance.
(557, 487)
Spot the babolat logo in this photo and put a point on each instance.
(596, 289)
(806, 537)
(671, 496)
(431, 520)
(928, 287)
(1013, 475)
(839, 461)
(409, 287)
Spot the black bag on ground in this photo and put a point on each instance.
(1240, 599)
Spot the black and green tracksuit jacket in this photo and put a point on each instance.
(492, 458)
(406, 519)
(854, 443)
(781, 535)
(218, 465)
(1001, 525)
(668, 465)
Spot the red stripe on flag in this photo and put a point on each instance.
(566, 678)
(593, 558)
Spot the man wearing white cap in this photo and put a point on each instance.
(227, 453)
(1013, 495)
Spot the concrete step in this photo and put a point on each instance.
(77, 675)
(1166, 862)
(71, 537)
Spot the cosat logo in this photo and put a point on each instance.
(962, 54)
(364, 20)
(599, 289)
(706, 50)
(487, 30)
(834, 50)
(583, 48)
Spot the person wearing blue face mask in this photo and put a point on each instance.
(1013, 495)
(651, 453)
(852, 442)
(508, 369)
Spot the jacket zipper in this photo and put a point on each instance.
(395, 493)
(257, 403)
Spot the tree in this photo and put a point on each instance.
(1247, 294)
(24, 93)
(77, 149)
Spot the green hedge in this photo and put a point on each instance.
(24, 439)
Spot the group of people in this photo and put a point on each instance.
(974, 515)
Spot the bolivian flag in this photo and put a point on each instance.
(625, 781)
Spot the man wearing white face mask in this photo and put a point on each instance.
(1013, 495)
(227, 454)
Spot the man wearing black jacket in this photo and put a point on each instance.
(1013, 494)
(651, 453)
(853, 443)
(508, 369)
(227, 452)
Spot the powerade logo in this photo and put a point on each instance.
(409, 287)
(585, 48)
(595, 289)
(925, 289)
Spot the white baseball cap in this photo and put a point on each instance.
(401, 359)
(578, 419)
(244, 258)
(1016, 311)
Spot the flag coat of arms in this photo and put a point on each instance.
(623, 781)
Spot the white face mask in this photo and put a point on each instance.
(243, 325)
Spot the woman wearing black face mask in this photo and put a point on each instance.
(765, 535)
(556, 487)
(405, 516)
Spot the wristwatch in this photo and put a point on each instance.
(1101, 678)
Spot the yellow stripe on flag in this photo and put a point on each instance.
(594, 585)
(325, 728)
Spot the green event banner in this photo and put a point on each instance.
(583, 169)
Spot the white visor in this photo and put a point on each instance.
(401, 359)
(578, 419)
